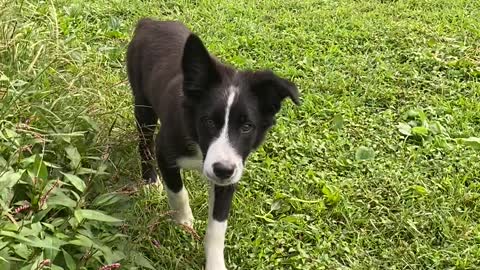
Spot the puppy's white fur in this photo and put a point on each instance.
(180, 204)
(221, 150)
(214, 237)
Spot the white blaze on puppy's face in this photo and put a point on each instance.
(222, 152)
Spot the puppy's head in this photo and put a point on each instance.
(230, 110)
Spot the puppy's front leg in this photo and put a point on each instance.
(176, 191)
(220, 200)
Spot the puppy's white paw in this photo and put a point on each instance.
(215, 266)
(180, 205)
(184, 217)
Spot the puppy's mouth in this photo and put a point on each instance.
(220, 182)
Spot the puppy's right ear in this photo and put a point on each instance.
(199, 71)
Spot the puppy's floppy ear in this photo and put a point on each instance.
(199, 71)
(272, 90)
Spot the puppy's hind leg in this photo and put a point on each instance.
(146, 124)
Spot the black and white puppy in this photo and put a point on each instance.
(212, 116)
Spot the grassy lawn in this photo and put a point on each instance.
(379, 168)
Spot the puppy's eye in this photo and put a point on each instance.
(208, 122)
(246, 128)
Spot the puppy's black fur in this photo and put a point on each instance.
(174, 79)
(207, 109)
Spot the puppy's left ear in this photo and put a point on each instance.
(199, 71)
(272, 90)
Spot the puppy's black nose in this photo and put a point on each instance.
(223, 170)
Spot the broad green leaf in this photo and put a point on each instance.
(142, 261)
(11, 134)
(420, 190)
(416, 114)
(87, 232)
(266, 218)
(117, 256)
(75, 181)
(107, 254)
(39, 169)
(331, 194)
(38, 216)
(3, 164)
(51, 165)
(36, 228)
(82, 170)
(405, 129)
(59, 198)
(4, 262)
(10, 227)
(291, 219)
(422, 116)
(276, 205)
(62, 236)
(78, 215)
(364, 153)
(472, 141)
(90, 122)
(22, 250)
(107, 199)
(26, 231)
(49, 226)
(411, 114)
(73, 221)
(31, 159)
(17, 236)
(114, 237)
(28, 160)
(9, 179)
(82, 241)
(337, 122)
(97, 215)
(2, 244)
(4, 195)
(41, 243)
(77, 197)
(57, 221)
(54, 242)
(437, 128)
(33, 241)
(69, 260)
(74, 156)
(420, 131)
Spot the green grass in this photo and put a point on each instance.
(338, 184)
